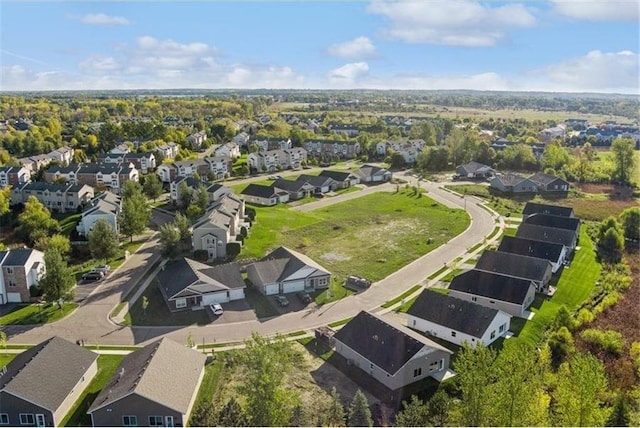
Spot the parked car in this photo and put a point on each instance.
(282, 301)
(99, 272)
(102, 268)
(304, 297)
(274, 177)
(216, 308)
(92, 276)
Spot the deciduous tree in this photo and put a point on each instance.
(57, 242)
(152, 186)
(631, 223)
(58, 280)
(623, 151)
(169, 241)
(414, 413)
(103, 241)
(476, 370)
(35, 221)
(135, 214)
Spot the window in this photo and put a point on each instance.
(130, 421)
(502, 327)
(12, 283)
(4, 419)
(493, 334)
(9, 270)
(433, 366)
(27, 419)
(181, 303)
(441, 365)
(417, 372)
(155, 421)
(474, 299)
(453, 334)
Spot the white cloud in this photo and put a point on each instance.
(613, 10)
(103, 19)
(348, 75)
(99, 64)
(451, 22)
(360, 47)
(489, 81)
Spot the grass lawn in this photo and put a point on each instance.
(438, 272)
(67, 222)
(402, 296)
(370, 237)
(606, 162)
(238, 188)
(77, 416)
(36, 314)
(336, 291)
(6, 358)
(208, 387)
(510, 231)
(470, 189)
(574, 287)
(132, 247)
(449, 277)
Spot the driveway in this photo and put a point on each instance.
(91, 322)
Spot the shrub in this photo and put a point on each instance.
(608, 340)
(584, 317)
(233, 249)
(635, 355)
(244, 232)
(201, 255)
(35, 291)
(250, 212)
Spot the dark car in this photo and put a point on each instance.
(304, 297)
(92, 276)
(282, 301)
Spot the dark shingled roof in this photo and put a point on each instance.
(531, 248)
(536, 208)
(337, 175)
(466, 317)
(198, 277)
(541, 178)
(291, 185)
(473, 167)
(547, 234)
(491, 285)
(259, 190)
(316, 180)
(47, 373)
(384, 345)
(18, 257)
(514, 265)
(283, 262)
(569, 223)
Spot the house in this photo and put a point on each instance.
(64, 155)
(34, 163)
(457, 321)
(408, 149)
(555, 253)
(297, 189)
(539, 271)
(189, 168)
(264, 195)
(21, 268)
(219, 226)
(62, 173)
(112, 177)
(219, 167)
(505, 293)
(568, 238)
(196, 140)
(57, 197)
(228, 150)
(105, 206)
(268, 144)
(332, 149)
(475, 170)
(513, 183)
(121, 149)
(391, 354)
(149, 389)
(217, 191)
(144, 162)
(294, 157)
(268, 161)
(372, 174)
(549, 183)
(287, 271)
(343, 179)
(321, 183)
(14, 176)
(187, 284)
(569, 223)
(551, 133)
(176, 185)
(349, 130)
(241, 139)
(41, 384)
(168, 150)
(536, 208)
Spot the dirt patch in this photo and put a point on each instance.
(334, 257)
(614, 191)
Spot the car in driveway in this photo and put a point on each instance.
(102, 268)
(304, 297)
(92, 276)
(216, 308)
(282, 301)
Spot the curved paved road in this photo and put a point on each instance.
(90, 321)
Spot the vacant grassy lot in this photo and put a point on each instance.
(371, 236)
(37, 314)
(606, 162)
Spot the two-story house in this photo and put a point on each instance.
(14, 176)
(105, 206)
(64, 155)
(330, 149)
(267, 144)
(168, 150)
(21, 268)
(196, 140)
(57, 197)
(228, 150)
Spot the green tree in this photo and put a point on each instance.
(35, 221)
(184, 195)
(564, 319)
(359, 412)
(201, 198)
(335, 410)
(397, 160)
(58, 280)
(103, 241)
(169, 241)
(631, 223)
(611, 245)
(57, 242)
(475, 368)
(232, 415)
(181, 222)
(580, 385)
(620, 413)
(555, 156)
(413, 414)
(194, 212)
(5, 200)
(205, 416)
(135, 214)
(623, 151)
(130, 188)
(561, 345)
(438, 408)
(152, 186)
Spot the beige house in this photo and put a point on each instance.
(21, 268)
(57, 197)
(219, 226)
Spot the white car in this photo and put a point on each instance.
(216, 308)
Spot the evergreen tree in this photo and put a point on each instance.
(335, 410)
(103, 241)
(413, 414)
(620, 413)
(232, 415)
(631, 223)
(438, 408)
(359, 412)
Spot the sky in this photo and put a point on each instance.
(543, 45)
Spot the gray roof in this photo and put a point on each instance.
(337, 175)
(569, 223)
(547, 234)
(317, 180)
(492, 285)
(456, 314)
(291, 185)
(536, 208)
(283, 262)
(47, 373)
(387, 346)
(510, 179)
(260, 191)
(186, 275)
(545, 179)
(152, 373)
(514, 265)
(18, 257)
(370, 171)
(473, 167)
(531, 248)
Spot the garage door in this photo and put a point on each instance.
(13, 298)
(293, 287)
(214, 298)
(271, 289)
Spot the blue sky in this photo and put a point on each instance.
(555, 45)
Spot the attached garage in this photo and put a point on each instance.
(14, 298)
(293, 286)
(270, 289)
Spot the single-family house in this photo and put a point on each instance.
(513, 183)
(196, 140)
(186, 284)
(457, 321)
(64, 155)
(57, 197)
(343, 179)
(21, 268)
(539, 271)
(321, 183)
(475, 170)
(506, 293)
(555, 253)
(549, 183)
(297, 189)
(41, 384)
(372, 174)
(392, 354)
(14, 176)
(227, 150)
(568, 223)
(105, 206)
(154, 386)
(264, 195)
(287, 271)
(566, 237)
(537, 208)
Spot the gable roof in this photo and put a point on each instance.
(19, 256)
(542, 179)
(492, 285)
(565, 237)
(192, 277)
(509, 179)
(537, 208)
(457, 314)
(474, 167)
(569, 223)
(531, 248)
(337, 175)
(515, 265)
(261, 191)
(47, 373)
(370, 171)
(293, 186)
(387, 346)
(283, 263)
(152, 373)
(317, 180)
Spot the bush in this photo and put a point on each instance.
(233, 249)
(584, 317)
(608, 340)
(244, 232)
(35, 291)
(251, 213)
(201, 255)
